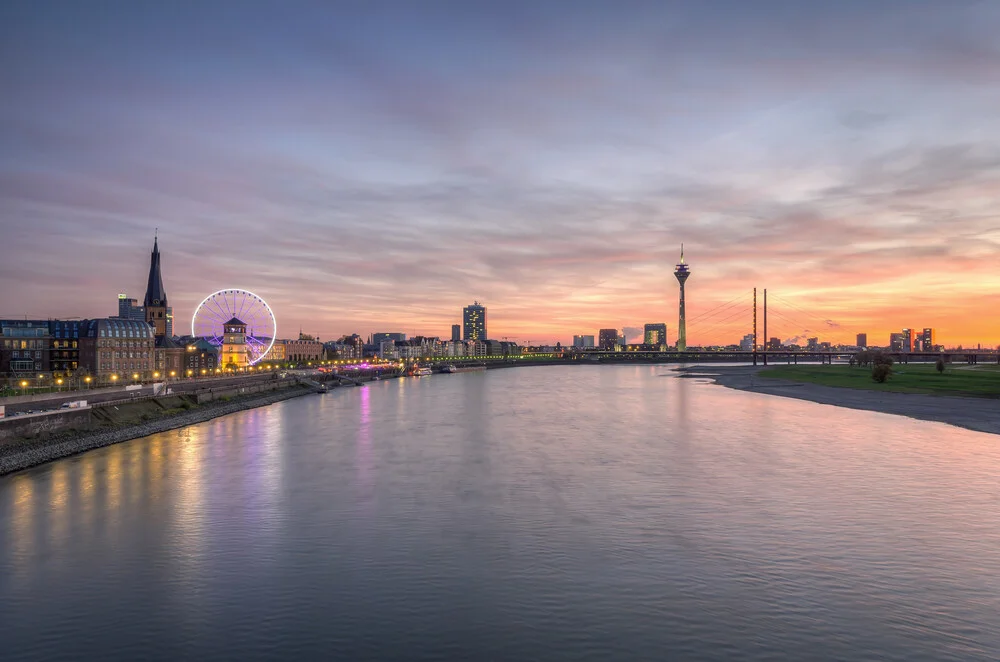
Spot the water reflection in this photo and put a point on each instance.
(591, 512)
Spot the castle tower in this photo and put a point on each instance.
(155, 302)
(681, 272)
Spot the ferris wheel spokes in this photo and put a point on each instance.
(218, 308)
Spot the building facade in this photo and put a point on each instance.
(474, 322)
(233, 354)
(607, 339)
(168, 358)
(129, 309)
(303, 350)
(583, 342)
(115, 349)
(928, 341)
(655, 334)
(24, 347)
(456, 332)
(200, 358)
(64, 359)
(277, 353)
(862, 341)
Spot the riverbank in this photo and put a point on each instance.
(29, 453)
(979, 414)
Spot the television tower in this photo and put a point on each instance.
(682, 272)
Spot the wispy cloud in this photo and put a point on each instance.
(366, 170)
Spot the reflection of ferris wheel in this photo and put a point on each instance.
(219, 308)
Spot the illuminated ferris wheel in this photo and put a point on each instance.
(219, 308)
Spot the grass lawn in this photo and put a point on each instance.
(979, 381)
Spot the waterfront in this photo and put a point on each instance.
(606, 512)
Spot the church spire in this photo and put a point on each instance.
(156, 296)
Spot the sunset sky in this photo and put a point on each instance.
(376, 166)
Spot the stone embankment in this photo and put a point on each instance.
(17, 456)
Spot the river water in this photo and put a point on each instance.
(544, 513)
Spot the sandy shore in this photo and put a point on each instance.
(980, 414)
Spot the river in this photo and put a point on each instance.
(541, 513)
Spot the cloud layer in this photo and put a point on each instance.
(375, 168)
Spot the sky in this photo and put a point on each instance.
(376, 166)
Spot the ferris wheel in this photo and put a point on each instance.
(220, 307)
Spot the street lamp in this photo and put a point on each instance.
(114, 378)
(173, 373)
(156, 375)
(87, 379)
(59, 383)
(24, 386)
(135, 376)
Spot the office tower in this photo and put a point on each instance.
(456, 332)
(474, 321)
(129, 309)
(655, 334)
(862, 341)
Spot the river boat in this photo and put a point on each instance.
(421, 372)
(449, 369)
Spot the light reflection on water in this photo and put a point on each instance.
(538, 513)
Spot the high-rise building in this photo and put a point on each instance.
(129, 309)
(774, 344)
(909, 339)
(681, 272)
(583, 342)
(607, 339)
(928, 340)
(896, 342)
(655, 334)
(862, 340)
(155, 302)
(474, 321)
(456, 332)
(812, 344)
(746, 344)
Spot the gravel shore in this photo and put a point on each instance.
(979, 414)
(21, 456)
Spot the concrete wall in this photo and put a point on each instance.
(231, 391)
(17, 428)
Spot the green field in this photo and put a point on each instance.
(979, 381)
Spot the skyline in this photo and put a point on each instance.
(378, 170)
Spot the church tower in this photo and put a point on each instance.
(156, 297)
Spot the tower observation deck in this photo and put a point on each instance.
(681, 272)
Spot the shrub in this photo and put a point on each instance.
(881, 358)
(881, 372)
(939, 365)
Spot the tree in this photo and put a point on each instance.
(940, 366)
(881, 372)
